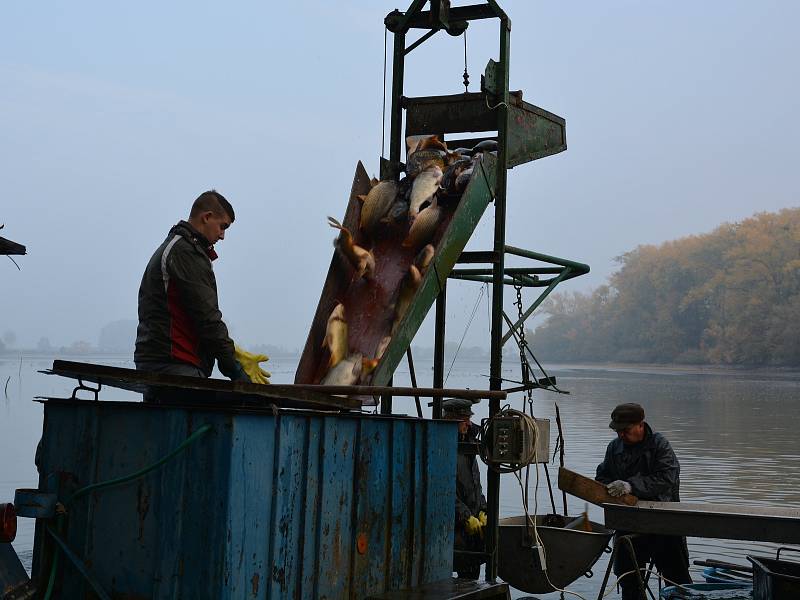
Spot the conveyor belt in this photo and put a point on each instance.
(722, 521)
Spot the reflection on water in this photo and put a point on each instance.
(735, 434)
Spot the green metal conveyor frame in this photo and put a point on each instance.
(523, 133)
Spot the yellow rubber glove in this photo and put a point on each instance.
(472, 525)
(482, 518)
(250, 364)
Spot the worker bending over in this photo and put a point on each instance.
(181, 331)
(641, 462)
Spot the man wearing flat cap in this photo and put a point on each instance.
(470, 501)
(641, 462)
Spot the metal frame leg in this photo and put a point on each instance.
(625, 540)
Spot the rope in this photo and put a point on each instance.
(383, 122)
(464, 335)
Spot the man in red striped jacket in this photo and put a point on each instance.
(181, 331)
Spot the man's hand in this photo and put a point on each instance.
(472, 525)
(250, 364)
(618, 488)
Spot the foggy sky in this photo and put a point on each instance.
(114, 117)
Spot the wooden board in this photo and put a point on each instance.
(590, 490)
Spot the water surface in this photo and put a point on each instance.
(735, 434)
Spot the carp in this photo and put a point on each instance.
(485, 146)
(382, 345)
(398, 213)
(361, 259)
(424, 258)
(377, 203)
(422, 160)
(336, 336)
(424, 226)
(463, 179)
(408, 288)
(346, 372)
(452, 172)
(368, 366)
(423, 189)
(431, 142)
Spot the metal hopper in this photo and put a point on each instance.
(570, 553)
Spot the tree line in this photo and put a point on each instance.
(731, 296)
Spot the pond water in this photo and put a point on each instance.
(734, 432)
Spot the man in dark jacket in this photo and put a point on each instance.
(641, 462)
(470, 501)
(181, 331)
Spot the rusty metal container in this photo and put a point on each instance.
(289, 504)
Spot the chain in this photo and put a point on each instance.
(524, 365)
(466, 74)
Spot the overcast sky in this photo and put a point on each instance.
(115, 116)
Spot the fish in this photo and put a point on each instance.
(398, 213)
(361, 259)
(336, 336)
(408, 288)
(421, 160)
(485, 146)
(452, 172)
(368, 366)
(463, 151)
(432, 141)
(423, 189)
(424, 258)
(377, 203)
(463, 179)
(382, 345)
(412, 142)
(346, 372)
(424, 226)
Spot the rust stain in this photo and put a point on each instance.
(254, 584)
(361, 543)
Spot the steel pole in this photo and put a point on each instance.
(396, 135)
(498, 275)
(438, 347)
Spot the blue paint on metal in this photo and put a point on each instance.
(291, 505)
(34, 504)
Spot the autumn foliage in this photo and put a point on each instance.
(731, 296)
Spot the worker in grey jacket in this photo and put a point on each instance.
(470, 515)
(181, 331)
(641, 462)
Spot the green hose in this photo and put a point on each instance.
(112, 482)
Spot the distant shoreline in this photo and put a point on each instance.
(548, 365)
(710, 369)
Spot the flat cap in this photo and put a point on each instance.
(626, 414)
(457, 406)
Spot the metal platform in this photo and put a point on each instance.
(202, 391)
(721, 521)
(452, 589)
(179, 390)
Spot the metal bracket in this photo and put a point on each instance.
(83, 386)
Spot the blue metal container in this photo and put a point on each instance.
(289, 504)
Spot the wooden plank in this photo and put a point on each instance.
(590, 490)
